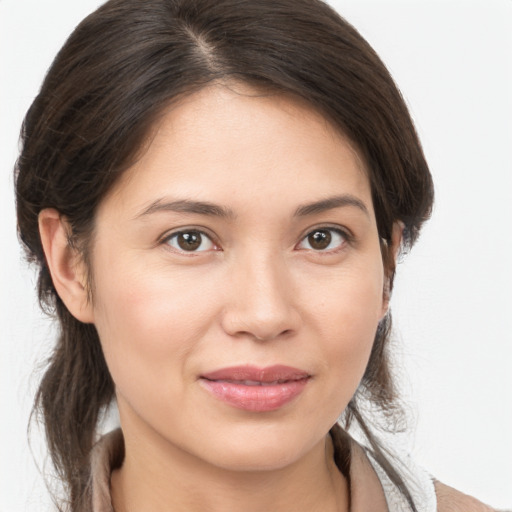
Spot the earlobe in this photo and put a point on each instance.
(65, 266)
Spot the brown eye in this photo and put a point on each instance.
(323, 240)
(319, 240)
(190, 241)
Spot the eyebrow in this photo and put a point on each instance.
(329, 204)
(187, 206)
(215, 210)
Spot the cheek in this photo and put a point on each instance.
(348, 316)
(350, 300)
(149, 322)
(134, 296)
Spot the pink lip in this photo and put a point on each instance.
(256, 389)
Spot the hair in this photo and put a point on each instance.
(121, 68)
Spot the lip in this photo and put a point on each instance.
(256, 389)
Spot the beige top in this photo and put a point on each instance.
(370, 488)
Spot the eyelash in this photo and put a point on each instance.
(347, 238)
(174, 236)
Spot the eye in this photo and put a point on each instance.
(323, 239)
(190, 241)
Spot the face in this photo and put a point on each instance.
(238, 280)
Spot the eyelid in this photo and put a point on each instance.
(164, 239)
(342, 231)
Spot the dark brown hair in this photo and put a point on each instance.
(119, 70)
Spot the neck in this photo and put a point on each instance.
(161, 477)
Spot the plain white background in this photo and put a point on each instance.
(453, 297)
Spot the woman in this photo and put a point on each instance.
(216, 194)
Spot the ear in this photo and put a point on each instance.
(390, 261)
(65, 265)
(396, 239)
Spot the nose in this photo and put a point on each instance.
(261, 300)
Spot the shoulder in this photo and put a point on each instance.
(451, 500)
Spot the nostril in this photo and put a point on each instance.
(282, 334)
(259, 316)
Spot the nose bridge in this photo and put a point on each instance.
(261, 297)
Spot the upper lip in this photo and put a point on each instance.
(274, 374)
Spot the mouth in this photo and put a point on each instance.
(256, 389)
(252, 382)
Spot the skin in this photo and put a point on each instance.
(256, 291)
(451, 500)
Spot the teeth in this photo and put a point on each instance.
(251, 383)
(259, 383)
(255, 382)
(273, 383)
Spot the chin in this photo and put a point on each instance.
(259, 451)
(256, 460)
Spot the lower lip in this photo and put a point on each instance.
(255, 398)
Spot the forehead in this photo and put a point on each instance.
(234, 144)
